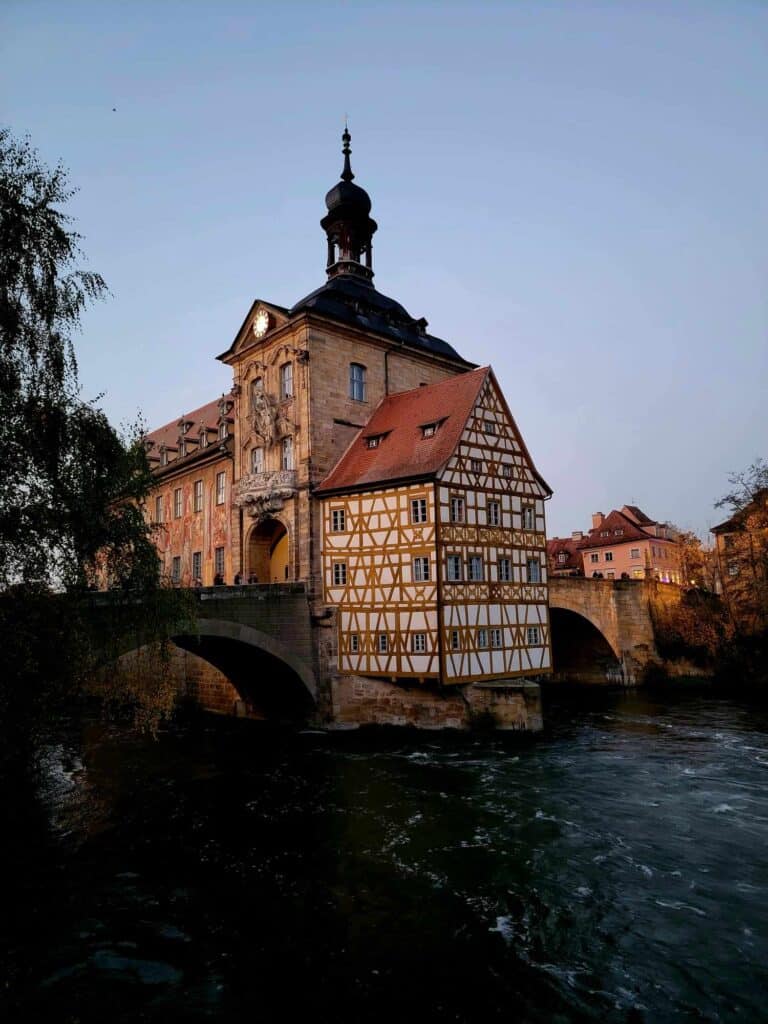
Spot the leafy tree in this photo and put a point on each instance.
(743, 549)
(71, 504)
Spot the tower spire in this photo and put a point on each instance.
(346, 138)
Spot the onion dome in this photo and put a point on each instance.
(347, 224)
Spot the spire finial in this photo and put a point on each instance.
(346, 138)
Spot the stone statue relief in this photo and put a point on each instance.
(262, 414)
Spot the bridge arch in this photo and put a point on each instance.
(563, 600)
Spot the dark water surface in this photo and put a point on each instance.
(615, 869)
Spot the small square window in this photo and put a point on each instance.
(506, 471)
(476, 567)
(339, 574)
(532, 635)
(594, 557)
(453, 565)
(634, 553)
(428, 430)
(419, 643)
(490, 427)
(609, 556)
(420, 572)
(477, 465)
(533, 570)
(373, 442)
(418, 510)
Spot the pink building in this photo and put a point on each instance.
(626, 544)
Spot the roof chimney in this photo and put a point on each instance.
(577, 535)
(597, 520)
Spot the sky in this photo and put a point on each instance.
(574, 192)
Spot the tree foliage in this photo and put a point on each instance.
(71, 504)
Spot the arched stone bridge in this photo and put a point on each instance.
(252, 648)
(602, 630)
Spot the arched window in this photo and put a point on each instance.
(357, 382)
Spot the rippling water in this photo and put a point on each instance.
(615, 869)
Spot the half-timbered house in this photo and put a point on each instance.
(434, 548)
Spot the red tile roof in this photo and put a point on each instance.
(404, 452)
(169, 434)
(614, 521)
(563, 545)
(637, 515)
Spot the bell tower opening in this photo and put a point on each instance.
(348, 225)
(268, 552)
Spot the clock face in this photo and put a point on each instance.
(261, 323)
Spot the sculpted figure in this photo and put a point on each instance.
(262, 414)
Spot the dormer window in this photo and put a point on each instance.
(163, 456)
(618, 533)
(223, 430)
(203, 438)
(428, 429)
(374, 440)
(182, 447)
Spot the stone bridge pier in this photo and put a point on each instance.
(602, 630)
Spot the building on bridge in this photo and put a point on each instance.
(346, 420)
(625, 544)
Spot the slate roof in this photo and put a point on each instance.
(404, 453)
(351, 300)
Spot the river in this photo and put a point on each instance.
(613, 869)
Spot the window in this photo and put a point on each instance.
(505, 570)
(618, 533)
(428, 430)
(733, 568)
(182, 448)
(495, 638)
(482, 638)
(494, 518)
(286, 460)
(454, 568)
(506, 471)
(286, 380)
(357, 382)
(637, 574)
(420, 569)
(198, 496)
(197, 565)
(611, 575)
(532, 634)
(533, 571)
(562, 557)
(477, 465)
(176, 569)
(490, 427)
(221, 483)
(257, 460)
(605, 533)
(594, 557)
(609, 556)
(218, 561)
(419, 643)
(457, 509)
(338, 520)
(223, 430)
(373, 441)
(163, 457)
(418, 510)
(528, 518)
(634, 553)
(339, 574)
(158, 509)
(177, 503)
(383, 643)
(354, 643)
(454, 639)
(203, 438)
(475, 567)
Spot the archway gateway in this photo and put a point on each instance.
(268, 553)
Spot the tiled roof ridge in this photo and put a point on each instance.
(594, 540)
(196, 415)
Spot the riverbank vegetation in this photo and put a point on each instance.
(71, 505)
